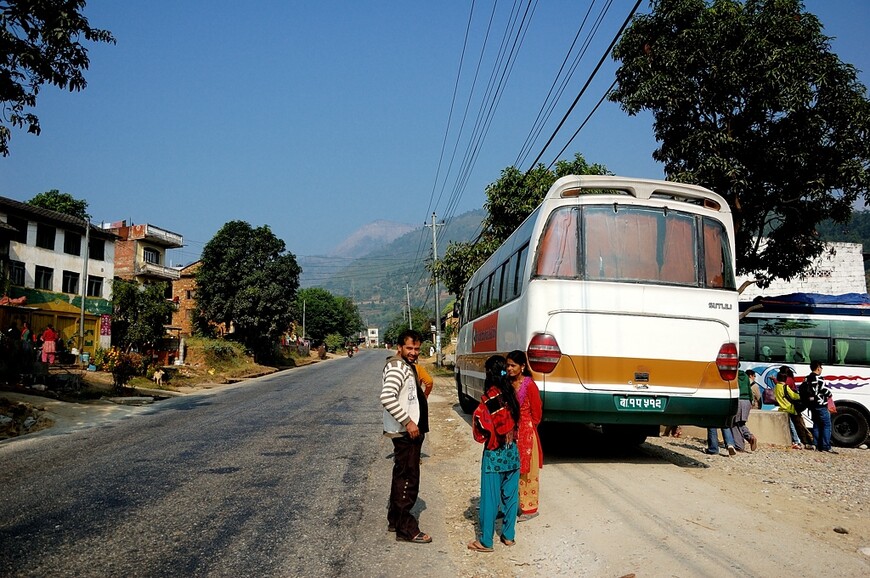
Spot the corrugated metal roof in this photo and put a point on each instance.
(53, 217)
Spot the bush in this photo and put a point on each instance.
(123, 365)
(334, 342)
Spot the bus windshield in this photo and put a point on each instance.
(635, 244)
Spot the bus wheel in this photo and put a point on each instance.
(625, 435)
(467, 404)
(848, 427)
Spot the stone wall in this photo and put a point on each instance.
(838, 270)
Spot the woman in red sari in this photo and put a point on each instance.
(528, 441)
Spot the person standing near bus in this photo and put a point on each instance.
(528, 441)
(494, 424)
(406, 421)
(787, 399)
(816, 395)
(755, 388)
(740, 431)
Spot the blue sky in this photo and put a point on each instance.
(318, 117)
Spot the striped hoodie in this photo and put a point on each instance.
(399, 396)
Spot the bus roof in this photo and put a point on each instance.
(818, 303)
(577, 185)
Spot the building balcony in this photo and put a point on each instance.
(144, 269)
(157, 236)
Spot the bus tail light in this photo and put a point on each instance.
(543, 353)
(727, 361)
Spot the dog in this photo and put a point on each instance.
(158, 377)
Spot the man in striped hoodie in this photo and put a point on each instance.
(406, 421)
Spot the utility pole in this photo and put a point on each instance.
(408, 294)
(85, 255)
(434, 226)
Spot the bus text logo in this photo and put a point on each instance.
(725, 306)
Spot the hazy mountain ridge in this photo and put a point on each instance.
(370, 237)
(376, 281)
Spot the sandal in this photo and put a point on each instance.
(507, 542)
(420, 538)
(526, 517)
(478, 547)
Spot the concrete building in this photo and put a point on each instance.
(839, 269)
(51, 259)
(140, 253)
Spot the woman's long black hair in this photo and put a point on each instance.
(496, 376)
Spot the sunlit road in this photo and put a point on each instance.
(266, 478)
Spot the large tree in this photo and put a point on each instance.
(247, 279)
(140, 313)
(62, 203)
(509, 200)
(40, 43)
(327, 314)
(750, 101)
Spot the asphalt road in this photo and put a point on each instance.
(266, 478)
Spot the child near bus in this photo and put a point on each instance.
(494, 424)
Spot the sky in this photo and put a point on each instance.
(318, 117)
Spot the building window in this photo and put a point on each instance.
(95, 286)
(16, 273)
(97, 250)
(72, 243)
(45, 236)
(43, 277)
(20, 234)
(191, 293)
(151, 255)
(70, 282)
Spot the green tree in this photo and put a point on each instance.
(64, 203)
(509, 200)
(750, 101)
(40, 43)
(247, 278)
(327, 314)
(140, 313)
(420, 318)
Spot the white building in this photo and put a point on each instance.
(839, 269)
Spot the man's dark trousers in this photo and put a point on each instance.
(405, 487)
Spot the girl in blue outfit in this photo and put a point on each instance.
(494, 424)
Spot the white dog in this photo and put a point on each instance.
(158, 377)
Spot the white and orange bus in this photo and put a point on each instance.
(622, 293)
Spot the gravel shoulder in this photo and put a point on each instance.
(665, 508)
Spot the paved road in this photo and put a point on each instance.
(267, 478)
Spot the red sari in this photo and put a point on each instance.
(529, 444)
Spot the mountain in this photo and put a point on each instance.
(370, 238)
(380, 281)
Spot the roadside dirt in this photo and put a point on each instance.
(664, 509)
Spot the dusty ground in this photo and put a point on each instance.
(666, 509)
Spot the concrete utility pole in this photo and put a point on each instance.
(408, 294)
(434, 226)
(85, 255)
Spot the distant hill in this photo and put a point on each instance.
(376, 281)
(370, 238)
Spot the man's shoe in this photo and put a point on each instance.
(731, 451)
(830, 452)
(753, 443)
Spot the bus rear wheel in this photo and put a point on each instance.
(848, 427)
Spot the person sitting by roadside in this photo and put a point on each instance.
(789, 401)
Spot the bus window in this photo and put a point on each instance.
(557, 252)
(496, 298)
(677, 251)
(522, 254)
(509, 286)
(718, 271)
(851, 341)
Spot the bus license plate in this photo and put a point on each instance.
(640, 403)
